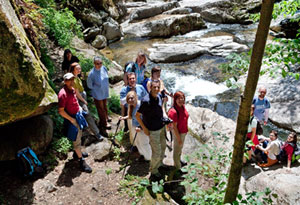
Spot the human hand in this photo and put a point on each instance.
(85, 102)
(137, 129)
(121, 118)
(265, 122)
(73, 121)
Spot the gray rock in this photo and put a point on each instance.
(25, 133)
(112, 31)
(177, 52)
(152, 10)
(178, 11)
(164, 26)
(100, 150)
(286, 26)
(90, 33)
(99, 42)
(91, 17)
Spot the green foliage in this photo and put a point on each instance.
(86, 64)
(114, 102)
(58, 121)
(209, 165)
(255, 17)
(46, 60)
(285, 8)
(61, 25)
(62, 145)
(108, 171)
(117, 153)
(238, 65)
(44, 3)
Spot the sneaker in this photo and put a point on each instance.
(84, 155)
(99, 137)
(85, 167)
(108, 126)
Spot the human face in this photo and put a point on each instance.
(69, 83)
(131, 100)
(290, 138)
(155, 88)
(131, 80)
(180, 101)
(262, 92)
(98, 64)
(69, 56)
(156, 75)
(141, 59)
(272, 136)
(77, 70)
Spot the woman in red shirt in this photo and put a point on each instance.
(288, 148)
(180, 116)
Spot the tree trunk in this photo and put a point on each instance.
(244, 111)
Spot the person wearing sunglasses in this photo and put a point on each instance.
(98, 83)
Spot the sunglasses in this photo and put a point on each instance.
(98, 63)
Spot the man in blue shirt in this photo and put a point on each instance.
(262, 106)
(98, 82)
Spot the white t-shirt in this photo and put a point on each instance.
(251, 125)
(273, 149)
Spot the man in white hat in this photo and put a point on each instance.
(68, 108)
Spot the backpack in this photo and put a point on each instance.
(259, 129)
(28, 163)
(132, 66)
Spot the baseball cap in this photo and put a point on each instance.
(68, 76)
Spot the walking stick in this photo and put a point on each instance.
(113, 140)
(169, 148)
(130, 151)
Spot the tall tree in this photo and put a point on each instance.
(244, 111)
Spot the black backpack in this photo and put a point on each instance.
(28, 163)
(259, 129)
(132, 66)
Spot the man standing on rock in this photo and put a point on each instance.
(261, 106)
(150, 117)
(68, 108)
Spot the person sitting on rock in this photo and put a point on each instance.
(272, 150)
(150, 117)
(288, 148)
(69, 109)
(68, 60)
(75, 69)
(251, 135)
(142, 140)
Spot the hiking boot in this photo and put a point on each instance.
(84, 155)
(99, 137)
(183, 163)
(108, 126)
(155, 177)
(84, 166)
(109, 119)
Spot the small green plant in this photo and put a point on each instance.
(86, 64)
(58, 122)
(263, 197)
(62, 145)
(114, 103)
(60, 25)
(117, 153)
(108, 171)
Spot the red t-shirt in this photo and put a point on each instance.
(68, 100)
(289, 150)
(182, 119)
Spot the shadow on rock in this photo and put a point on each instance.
(70, 171)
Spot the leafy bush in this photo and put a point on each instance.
(62, 145)
(86, 64)
(61, 25)
(114, 102)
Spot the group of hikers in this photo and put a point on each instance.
(142, 105)
(267, 150)
(144, 113)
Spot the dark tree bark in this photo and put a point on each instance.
(244, 111)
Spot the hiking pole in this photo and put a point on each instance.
(130, 151)
(169, 148)
(113, 140)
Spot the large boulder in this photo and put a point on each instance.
(222, 11)
(99, 42)
(22, 81)
(35, 132)
(286, 26)
(164, 25)
(112, 30)
(177, 52)
(152, 10)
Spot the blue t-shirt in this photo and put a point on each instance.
(139, 89)
(134, 120)
(260, 107)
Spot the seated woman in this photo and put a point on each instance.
(272, 150)
(142, 140)
(251, 134)
(287, 149)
